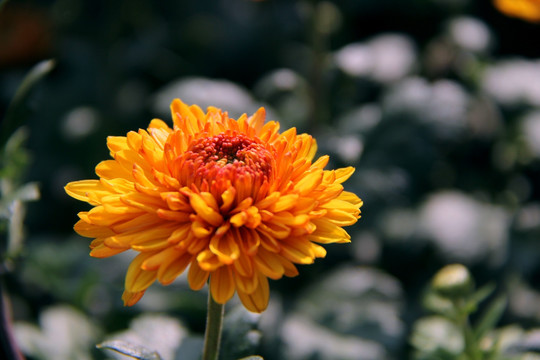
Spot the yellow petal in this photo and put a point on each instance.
(90, 230)
(309, 182)
(170, 270)
(244, 265)
(343, 174)
(90, 191)
(284, 202)
(103, 251)
(222, 284)
(269, 264)
(298, 251)
(131, 298)
(111, 169)
(197, 277)
(351, 198)
(246, 284)
(208, 261)
(117, 143)
(137, 279)
(226, 248)
(258, 300)
(206, 212)
(327, 232)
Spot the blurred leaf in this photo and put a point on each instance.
(161, 333)
(483, 293)
(126, 348)
(27, 192)
(12, 121)
(240, 334)
(491, 317)
(15, 157)
(252, 357)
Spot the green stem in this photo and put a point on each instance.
(212, 335)
(471, 347)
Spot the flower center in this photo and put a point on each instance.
(228, 157)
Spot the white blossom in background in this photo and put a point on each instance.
(443, 104)
(464, 229)
(514, 82)
(470, 34)
(530, 130)
(385, 58)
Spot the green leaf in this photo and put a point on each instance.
(129, 349)
(491, 317)
(12, 119)
(482, 293)
(252, 357)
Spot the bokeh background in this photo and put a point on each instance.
(435, 102)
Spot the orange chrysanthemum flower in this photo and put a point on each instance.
(524, 9)
(235, 200)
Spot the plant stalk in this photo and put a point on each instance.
(212, 336)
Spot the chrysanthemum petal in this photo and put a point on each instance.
(208, 261)
(103, 251)
(244, 265)
(222, 284)
(204, 210)
(284, 202)
(257, 301)
(170, 270)
(226, 248)
(90, 191)
(343, 174)
(246, 284)
(90, 230)
(269, 264)
(351, 198)
(309, 182)
(137, 279)
(131, 298)
(197, 277)
(328, 232)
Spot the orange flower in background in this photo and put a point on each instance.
(525, 9)
(234, 200)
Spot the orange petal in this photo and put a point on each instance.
(225, 247)
(222, 284)
(244, 265)
(170, 270)
(208, 261)
(246, 284)
(137, 279)
(269, 264)
(298, 251)
(103, 251)
(258, 300)
(327, 232)
(131, 298)
(197, 277)
(90, 230)
(90, 191)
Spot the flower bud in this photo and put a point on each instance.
(452, 281)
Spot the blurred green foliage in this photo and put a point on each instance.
(435, 102)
